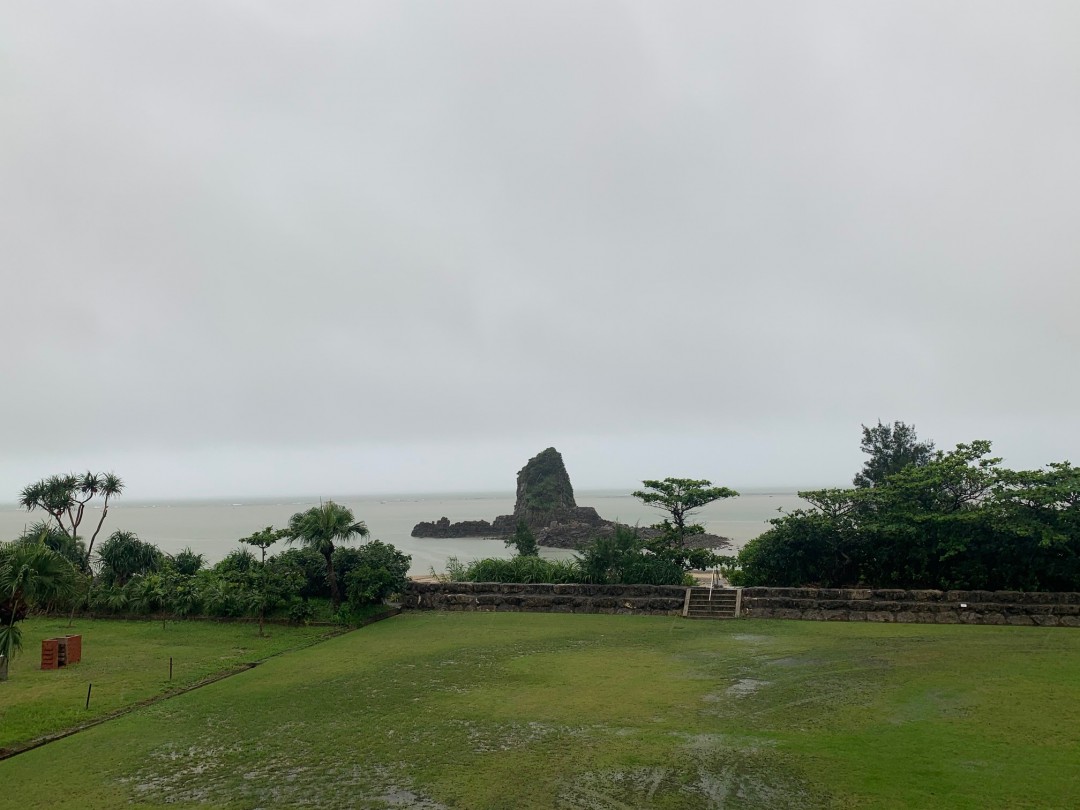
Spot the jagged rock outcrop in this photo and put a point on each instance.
(545, 501)
(544, 492)
(444, 528)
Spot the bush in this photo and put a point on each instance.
(236, 563)
(623, 558)
(522, 569)
(376, 571)
(301, 612)
(311, 567)
(187, 562)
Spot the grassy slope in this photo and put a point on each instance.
(517, 710)
(126, 662)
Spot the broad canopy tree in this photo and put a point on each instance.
(956, 519)
(679, 499)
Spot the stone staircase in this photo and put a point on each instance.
(712, 603)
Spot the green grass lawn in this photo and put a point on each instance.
(503, 710)
(126, 661)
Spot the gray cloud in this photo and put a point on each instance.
(397, 246)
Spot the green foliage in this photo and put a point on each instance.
(270, 587)
(891, 448)
(680, 498)
(32, 575)
(958, 520)
(521, 569)
(523, 541)
(318, 528)
(380, 571)
(309, 564)
(123, 556)
(301, 612)
(187, 562)
(72, 549)
(235, 564)
(623, 558)
(263, 539)
(455, 570)
(65, 498)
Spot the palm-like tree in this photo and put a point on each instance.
(30, 574)
(65, 497)
(318, 528)
(124, 556)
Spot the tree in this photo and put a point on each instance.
(524, 541)
(64, 498)
(124, 556)
(262, 540)
(381, 571)
(71, 549)
(318, 528)
(891, 448)
(187, 563)
(680, 498)
(31, 574)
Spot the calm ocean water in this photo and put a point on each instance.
(212, 528)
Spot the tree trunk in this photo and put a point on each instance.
(3, 668)
(331, 580)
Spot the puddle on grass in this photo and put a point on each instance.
(207, 775)
(745, 686)
(714, 776)
(750, 638)
(792, 661)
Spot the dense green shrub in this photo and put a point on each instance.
(309, 565)
(522, 569)
(957, 520)
(621, 558)
(236, 563)
(187, 563)
(380, 571)
(123, 556)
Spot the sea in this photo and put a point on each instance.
(213, 527)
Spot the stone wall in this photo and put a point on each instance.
(664, 600)
(818, 604)
(928, 607)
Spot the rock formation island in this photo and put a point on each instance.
(545, 501)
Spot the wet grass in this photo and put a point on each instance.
(445, 710)
(126, 662)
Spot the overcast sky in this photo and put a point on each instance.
(272, 248)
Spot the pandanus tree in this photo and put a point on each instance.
(65, 498)
(318, 528)
(31, 574)
(124, 556)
